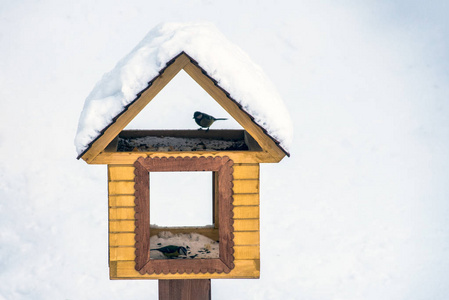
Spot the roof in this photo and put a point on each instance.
(225, 64)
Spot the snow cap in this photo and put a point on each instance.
(222, 60)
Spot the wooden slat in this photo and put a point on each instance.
(250, 186)
(121, 188)
(215, 203)
(121, 226)
(131, 157)
(246, 199)
(246, 224)
(240, 238)
(242, 269)
(113, 130)
(244, 238)
(246, 171)
(122, 213)
(128, 253)
(246, 212)
(142, 193)
(246, 252)
(121, 239)
(120, 172)
(112, 269)
(121, 253)
(240, 116)
(122, 200)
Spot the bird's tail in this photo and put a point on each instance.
(220, 119)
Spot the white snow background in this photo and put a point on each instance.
(358, 212)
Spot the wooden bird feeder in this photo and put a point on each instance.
(235, 184)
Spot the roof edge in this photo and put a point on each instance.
(236, 103)
(125, 108)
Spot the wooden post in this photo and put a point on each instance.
(184, 289)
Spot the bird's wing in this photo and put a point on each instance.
(169, 249)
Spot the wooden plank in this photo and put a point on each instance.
(240, 116)
(121, 200)
(185, 289)
(250, 186)
(122, 213)
(246, 252)
(246, 212)
(112, 131)
(142, 208)
(121, 187)
(121, 239)
(215, 203)
(131, 157)
(246, 224)
(128, 253)
(112, 269)
(246, 199)
(121, 226)
(245, 238)
(120, 172)
(242, 269)
(246, 171)
(121, 253)
(240, 238)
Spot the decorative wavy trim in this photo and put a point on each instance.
(222, 167)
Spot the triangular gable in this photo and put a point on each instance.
(183, 61)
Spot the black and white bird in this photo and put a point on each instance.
(172, 251)
(204, 120)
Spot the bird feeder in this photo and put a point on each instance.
(235, 184)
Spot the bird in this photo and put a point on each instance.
(204, 120)
(172, 251)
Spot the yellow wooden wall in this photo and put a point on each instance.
(246, 225)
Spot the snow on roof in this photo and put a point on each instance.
(222, 60)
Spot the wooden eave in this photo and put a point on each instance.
(272, 151)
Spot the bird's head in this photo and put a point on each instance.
(197, 115)
(182, 250)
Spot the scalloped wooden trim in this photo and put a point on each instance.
(222, 166)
